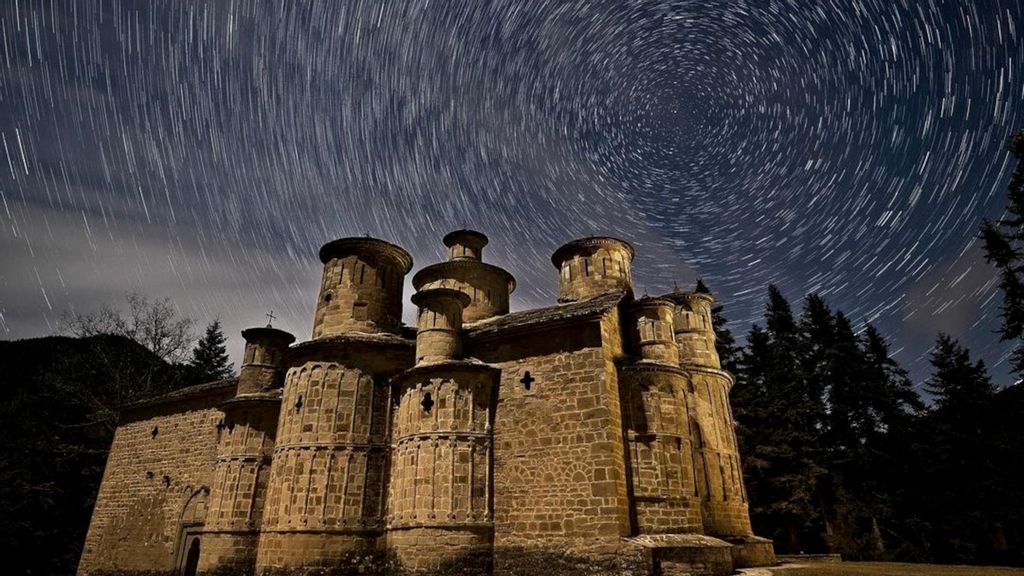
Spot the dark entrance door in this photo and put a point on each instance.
(191, 559)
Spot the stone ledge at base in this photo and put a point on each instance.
(687, 554)
(809, 558)
(751, 551)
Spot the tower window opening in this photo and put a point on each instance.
(298, 404)
(586, 266)
(156, 430)
(362, 273)
(604, 266)
(527, 381)
(427, 403)
(327, 298)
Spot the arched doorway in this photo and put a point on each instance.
(191, 558)
(193, 516)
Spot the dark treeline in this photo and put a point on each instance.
(841, 454)
(57, 422)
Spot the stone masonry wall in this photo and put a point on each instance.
(157, 478)
(559, 481)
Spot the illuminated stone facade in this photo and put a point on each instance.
(592, 436)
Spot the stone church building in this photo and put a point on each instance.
(592, 436)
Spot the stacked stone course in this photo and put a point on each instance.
(592, 436)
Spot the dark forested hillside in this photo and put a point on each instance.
(56, 425)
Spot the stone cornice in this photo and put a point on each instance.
(589, 244)
(359, 246)
(440, 269)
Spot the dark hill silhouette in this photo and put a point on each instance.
(56, 426)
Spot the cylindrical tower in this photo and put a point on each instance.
(465, 245)
(659, 447)
(361, 290)
(325, 500)
(487, 286)
(593, 266)
(695, 333)
(719, 477)
(653, 333)
(244, 449)
(439, 500)
(262, 364)
(439, 321)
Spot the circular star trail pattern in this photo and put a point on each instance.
(205, 150)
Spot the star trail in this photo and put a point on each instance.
(205, 150)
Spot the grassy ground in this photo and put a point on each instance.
(893, 569)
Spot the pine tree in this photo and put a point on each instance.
(817, 332)
(891, 454)
(1004, 246)
(725, 342)
(779, 432)
(210, 358)
(960, 454)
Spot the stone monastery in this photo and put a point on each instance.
(593, 436)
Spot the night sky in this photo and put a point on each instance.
(204, 151)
